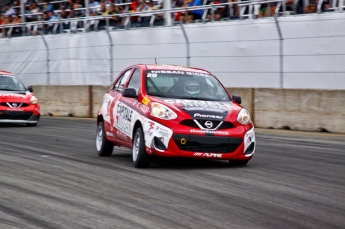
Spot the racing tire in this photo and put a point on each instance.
(31, 124)
(238, 163)
(139, 156)
(103, 146)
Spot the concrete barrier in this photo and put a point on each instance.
(296, 109)
(64, 100)
(97, 98)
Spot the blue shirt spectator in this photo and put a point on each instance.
(196, 3)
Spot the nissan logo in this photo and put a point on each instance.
(208, 124)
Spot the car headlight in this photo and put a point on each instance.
(243, 117)
(160, 111)
(33, 100)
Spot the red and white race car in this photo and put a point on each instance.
(17, 103)
(173, 111)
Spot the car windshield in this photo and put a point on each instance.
(11, 83)
(184, 85)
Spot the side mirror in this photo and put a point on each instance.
(129, 92)
(30, 89)
(237, 99)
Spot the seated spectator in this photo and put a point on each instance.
(33, 9)
(143, 20)
(192, 14)
(2, 18)
(312, 7)
(48, 6)
(103, 11)
(50, 18)
(94, 7)
(64, 15)
(16, 20)
(219, 13)
(325, 5)
(78, 12)
(152, 6)
(8, 10)
(267, 9)
(115, 20)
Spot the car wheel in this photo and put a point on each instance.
(103, 146)
(31, 124)
(140, 158)
(238, 163)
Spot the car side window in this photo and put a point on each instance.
(119, 85)
(134, 82)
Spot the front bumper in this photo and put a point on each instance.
(20, 117)
(238, 147)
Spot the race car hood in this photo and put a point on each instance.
(18, 96)
(207, 110)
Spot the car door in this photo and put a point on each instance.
(126, 110)
(111, 98)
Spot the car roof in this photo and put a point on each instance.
(5, 73)
(175, 67)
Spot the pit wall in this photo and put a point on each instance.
(296, 109)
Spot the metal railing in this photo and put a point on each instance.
(84, 23)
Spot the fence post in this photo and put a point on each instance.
(187, 42)
(280, 52)
(48, 58)
(110, 52)
(22, 10)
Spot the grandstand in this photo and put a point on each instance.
(67, 16)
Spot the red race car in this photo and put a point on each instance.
(173, 111)
(17, 103)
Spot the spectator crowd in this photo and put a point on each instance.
(52, 11)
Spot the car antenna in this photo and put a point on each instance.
(155, 60)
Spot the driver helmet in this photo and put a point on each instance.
(192, 87)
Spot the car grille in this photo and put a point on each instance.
(191, 123)
(15, 115)
(14, 104)
(207, 143)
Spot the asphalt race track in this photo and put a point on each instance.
(51, 177)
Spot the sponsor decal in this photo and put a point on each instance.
(163, 133)
(174, 68)
(148, 133)
(209, 132)
(12, 95)
(161, 138)
(145, 100)
(197, 115)
(211, 155)
(110, 134)
(140, 106)
(197, 74)
(151, 124)
(186, 104)
(123, 118)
